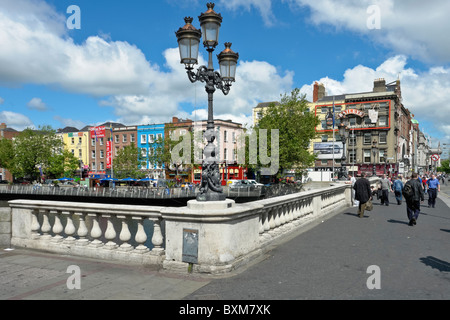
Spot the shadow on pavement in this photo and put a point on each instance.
(436, 263)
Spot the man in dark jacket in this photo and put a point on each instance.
(413, 203)
(362, 193)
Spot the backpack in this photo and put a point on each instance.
(408, 191)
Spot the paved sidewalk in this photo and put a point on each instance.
(328, 261)
(32, 275)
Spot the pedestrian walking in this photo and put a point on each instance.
(433, 188)
(413, 193)
(385, 184)
(352, 181)
(424, 183)
(362, 193)
(397, 186)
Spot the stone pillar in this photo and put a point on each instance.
(5, 227)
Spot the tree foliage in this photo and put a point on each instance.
(32, 151)
(127, 162)
(296, 125)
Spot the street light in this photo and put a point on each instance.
(374, 152)
(343, 132)
(188, 43)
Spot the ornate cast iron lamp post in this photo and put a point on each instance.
(188, 43)
(344, 133)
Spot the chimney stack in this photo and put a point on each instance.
(319, 92)
(379, 85)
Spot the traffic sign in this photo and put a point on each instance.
(435, 157)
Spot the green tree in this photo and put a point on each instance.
(33, 149)
(127, 162)
(7, 155)
(445, 166)
(62, 164)
(296, 125)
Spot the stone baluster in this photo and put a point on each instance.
(125, 234)
(46, 227)
(57, 228)
(140, 236)
(110, 233)
(35, 226)
(272, 224)
(261, 222)
(282, 210)
(157, 239)
(82, 231)
(69, 230)
(96, 231)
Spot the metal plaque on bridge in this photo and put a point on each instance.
(190, 246)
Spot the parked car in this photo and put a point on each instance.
(241, 184)
(256, 184)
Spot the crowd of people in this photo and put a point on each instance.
(412, 189)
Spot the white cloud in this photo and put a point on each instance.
(37, 104)
(66, 122)
(416, 28)
(97, 67)
(16, 120)
(263, 6)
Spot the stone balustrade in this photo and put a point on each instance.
(228, 234)
(111, 232)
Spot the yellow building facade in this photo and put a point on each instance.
(78, 144)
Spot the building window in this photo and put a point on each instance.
(233, 137)
(159, 136)
(325, 138)
(144, 139)
(225, 136)
(80, 140)
(352, 156)
(116, 138)
(144, 152)
(93, 154)
(324, 110)
(324, 124)
(367, 138)
(132, 137)
(225, 153)
(324, 162)
(151, 138)
(352, 139)
(102, 166)
(93, 142)
(124, 138)
(116, 150)
(94, 166)
(382, 155)
(366, 156)
(383, 137)
(101, 141)
(383, 121)
(73, 140)
(80, 153)
(102, 154)
(73, 151)
(337, 109)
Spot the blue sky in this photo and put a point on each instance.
(122, 65)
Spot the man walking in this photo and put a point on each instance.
(413, 198)
(433, 188)
(385, 188)
(398, 188)
(362, 193)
